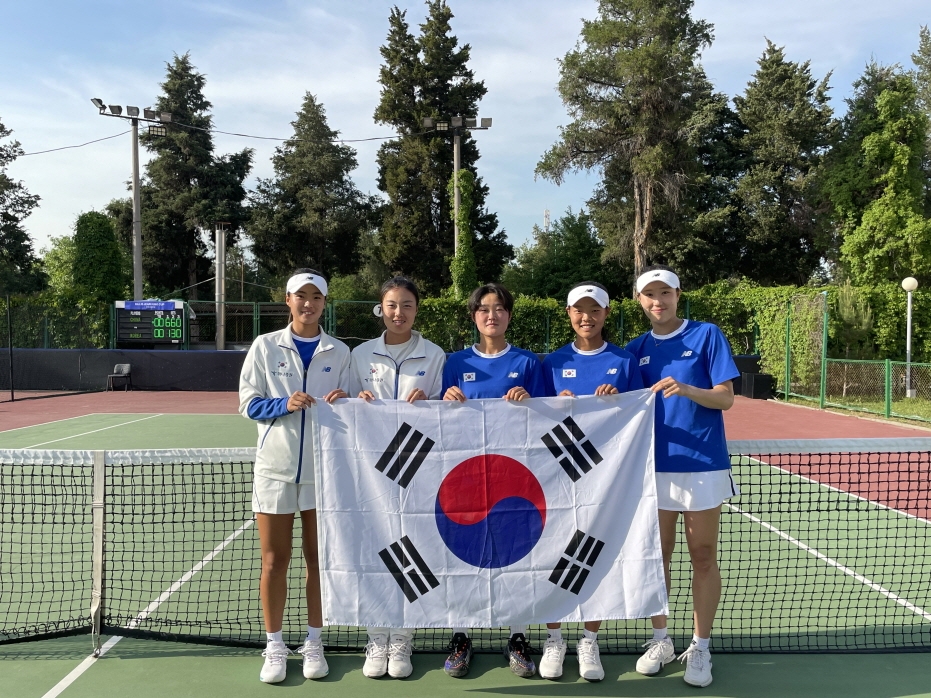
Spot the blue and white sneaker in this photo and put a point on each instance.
(518, 654)
(460, 656)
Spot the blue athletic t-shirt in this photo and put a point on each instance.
(492, 375)
(688, 437)
(581, 372)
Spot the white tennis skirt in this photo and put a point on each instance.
(280, 497)
(695, 491)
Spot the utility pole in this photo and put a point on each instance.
(157, 128)
(220, 284)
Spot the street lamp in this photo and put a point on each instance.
(909, 284)
(457, 125)
(151, 116)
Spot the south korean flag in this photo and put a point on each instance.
(487, 513)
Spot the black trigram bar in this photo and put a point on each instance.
(399, 452)
(573, 568)
(569, 443)
(408, 569)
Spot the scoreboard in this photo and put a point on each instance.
(150, 322)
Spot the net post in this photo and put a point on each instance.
(97, 509)
(888, 389)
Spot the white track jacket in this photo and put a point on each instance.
(373, 369)
(273, 368)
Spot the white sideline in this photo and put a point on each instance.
(917, 610)
(75, 673)
(94, 431)
(52, 421)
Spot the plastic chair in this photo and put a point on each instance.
(121, 372)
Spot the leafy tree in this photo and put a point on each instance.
(20, 270)
(631, 86)
(187, 189)
(98, 260)
(788, 126)
(428, 76)
(922, 78)
(558, 259)
(893, 237)
(310, 213)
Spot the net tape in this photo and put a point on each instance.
(828, 548)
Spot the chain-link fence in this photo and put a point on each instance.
(39, 324)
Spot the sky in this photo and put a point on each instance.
(261, 58)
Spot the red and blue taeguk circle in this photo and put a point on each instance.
(490, 511)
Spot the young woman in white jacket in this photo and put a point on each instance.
(398, 365)
(284, 373)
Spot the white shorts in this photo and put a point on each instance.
(694, 491)
(280, 497)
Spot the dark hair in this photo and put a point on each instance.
(400, 282)
(475, 299)
(306, 270)
(652, 267)
(605, 335)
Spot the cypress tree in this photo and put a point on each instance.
(20, 269)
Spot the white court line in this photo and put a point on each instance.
(837, 489)
(94, 431)
(54, 421)
(58, 688)
(917, 610)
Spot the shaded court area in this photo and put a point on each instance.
(819, 555)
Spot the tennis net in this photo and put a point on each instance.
(827, 548)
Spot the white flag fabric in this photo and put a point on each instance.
(488, 513)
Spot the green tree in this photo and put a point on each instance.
(922, 78)
(558, 259)
(98, 259)
(428, 76)
(788, 126)
(310, 213)
(893, 237)
(20, 268)
(187, 189)
(631, 86)
(462, 269)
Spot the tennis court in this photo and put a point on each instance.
(821, 553)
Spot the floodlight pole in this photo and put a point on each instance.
(456, 161)
(137, 217)
(220, 277)
(909, 284)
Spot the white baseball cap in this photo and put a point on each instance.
(298, 281)
(667, 277)
(598, 294)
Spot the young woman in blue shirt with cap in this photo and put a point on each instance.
(690, 368)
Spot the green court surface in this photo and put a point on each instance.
(135, 431)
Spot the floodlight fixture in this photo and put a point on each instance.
(157, 130)
(470, 123)
(456, 122)
(165, 117)
(116, 109)
(98, 103)
(132, 111)
(150, 113)
(486, 123)
(428, 122)
(442, 125)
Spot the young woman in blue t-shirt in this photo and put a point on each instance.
(689, 365)
(491, 369)
(590, 365)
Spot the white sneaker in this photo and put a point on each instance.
(399, 657)
(276, 663)
(554, 651)
(698, 668)
(315, 666)
(658, 655)
(590, 667)
(376, 656)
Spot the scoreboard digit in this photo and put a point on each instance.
(150, 322)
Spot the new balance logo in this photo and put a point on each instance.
(570, 443)
(612, 371)
(400, 451)
(513, 374)
(687, 353)
(576, 563)
(408, 569)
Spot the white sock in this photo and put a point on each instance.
(702, 642)
(660, 634)
(464, 631)
(406, 633)
(590, 634)
(515, 629)
(554, 633)
(313, 633)
(274, 637)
